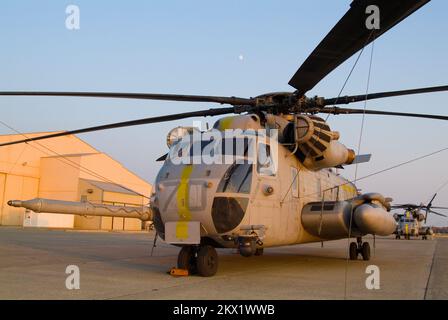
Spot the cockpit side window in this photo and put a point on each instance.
(265, 163)
(223, 149)
(237, 179)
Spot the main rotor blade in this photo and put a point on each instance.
(430, 202)
(202, 113)
(336, 111)
(144, 96)
(363, 97)
(439, 214)
(405, 206)
(348, 36)
(439, 208)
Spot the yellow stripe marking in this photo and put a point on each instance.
(225, 123)
(182, 197)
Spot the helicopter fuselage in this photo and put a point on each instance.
(234, 200)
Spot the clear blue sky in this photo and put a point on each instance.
(194, 47)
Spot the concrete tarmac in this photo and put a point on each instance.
(119, 266)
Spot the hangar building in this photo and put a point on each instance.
(66, 168)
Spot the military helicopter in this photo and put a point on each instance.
(411, 222)
(291, 193)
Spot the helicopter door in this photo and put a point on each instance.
(265, 198)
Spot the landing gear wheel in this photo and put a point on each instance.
(397, 237)
(187, 259)
(365, 251)
(424, 237)
(353, 251)
(259, 252)
(207, 261)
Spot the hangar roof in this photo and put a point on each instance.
(110, 187)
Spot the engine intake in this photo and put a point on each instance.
(317, 146)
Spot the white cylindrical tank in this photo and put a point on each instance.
(373, 219)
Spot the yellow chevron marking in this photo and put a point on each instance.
(182, 203)
(349, 189)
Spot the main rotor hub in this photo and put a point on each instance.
(289, 102)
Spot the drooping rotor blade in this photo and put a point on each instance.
(404, 206)
(432, 199)
(336, 111)
(362, 158)
(428, 207)
(165, 118)
(378, 95)
(348, 36)
(439, 214)
(144, 96)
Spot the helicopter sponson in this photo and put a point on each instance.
(365, 214)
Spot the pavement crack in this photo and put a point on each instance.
(430, 269)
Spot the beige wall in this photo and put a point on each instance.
(106, 166)
(128, 200)
(16, 187)
(30, 170)
(2, 193)
(24, 159)
(88, 223)
(107, 223)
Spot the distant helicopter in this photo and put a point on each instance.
(281, 188)
(411, 222)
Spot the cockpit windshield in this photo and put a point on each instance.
(237, 179)
(210, 151)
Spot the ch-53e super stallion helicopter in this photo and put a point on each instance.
(411, 222)
(294, 195)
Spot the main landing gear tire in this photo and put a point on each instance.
(207, 261)
(365, 251)
(353, 251)
(397, 237)
(359, 247)
(259, 252)
(187, 259)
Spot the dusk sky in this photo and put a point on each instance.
(235, 48)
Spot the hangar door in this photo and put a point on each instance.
(15, 187)
(2, 193)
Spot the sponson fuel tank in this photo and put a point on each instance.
(83, 208)
(330, 220)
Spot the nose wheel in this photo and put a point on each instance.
(201, 260)
(359, 248)
(187, 259)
